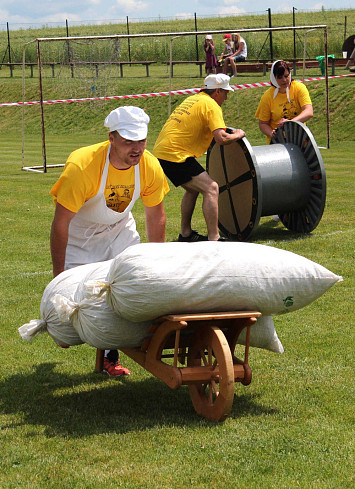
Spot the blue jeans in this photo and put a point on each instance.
(239, 58)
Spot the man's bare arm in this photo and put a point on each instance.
(155, 221)
(223, 137)
(59, 237)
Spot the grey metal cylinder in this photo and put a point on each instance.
(285, 178)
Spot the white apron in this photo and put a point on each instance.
(96, 232)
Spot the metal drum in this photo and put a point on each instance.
(286, 178)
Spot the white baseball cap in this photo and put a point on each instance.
(208, 36)
(218, 81)
(130, 122)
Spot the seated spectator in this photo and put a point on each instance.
(228, 47)
(240, 52)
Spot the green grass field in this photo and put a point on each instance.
(64, 427)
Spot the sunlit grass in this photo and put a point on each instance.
(63, 426)
(290, 428)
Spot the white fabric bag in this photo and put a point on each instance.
(152, 279)
(262, 335)
(63, 333)
(95, 322)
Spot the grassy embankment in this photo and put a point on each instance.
(158, 48)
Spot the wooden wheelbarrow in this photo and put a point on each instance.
(205, 343)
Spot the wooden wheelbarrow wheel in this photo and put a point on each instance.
(213, 398)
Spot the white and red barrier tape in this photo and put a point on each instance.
(188, 91)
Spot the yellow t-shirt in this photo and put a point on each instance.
(188, 131)
(272, 110)
(80, 180)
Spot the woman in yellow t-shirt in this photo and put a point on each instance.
(286, 100)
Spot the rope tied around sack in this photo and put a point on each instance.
(97, 288)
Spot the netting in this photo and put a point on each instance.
(85, 70)
(90, 69)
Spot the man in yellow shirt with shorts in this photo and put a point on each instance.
(185, 136)
(95, 194)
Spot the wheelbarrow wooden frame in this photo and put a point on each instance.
(205, 343)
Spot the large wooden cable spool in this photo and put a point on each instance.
(286, 178)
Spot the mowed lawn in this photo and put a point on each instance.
(63, 426)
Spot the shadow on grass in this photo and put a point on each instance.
(276, 231)
(83, 405)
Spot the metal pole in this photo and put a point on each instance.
(271, 48)
(294, 40)
(262, 47)
(326, 83)
(345, 21)
(197, 56)
(304, 51)
(68, 48)
(170, 68)
(23, 105)
(294, 32)
(9, 46)
(129, 40)
(156, 35)
(42, 110)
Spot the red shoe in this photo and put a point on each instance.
(115, 369)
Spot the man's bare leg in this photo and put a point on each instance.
(187, 209)
(204, 184)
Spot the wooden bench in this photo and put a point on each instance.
(249, 66)
(13, 65)
(31, 65)
(96, 64)
(252, 66)
(295, 63)
(121, 64)
(173, 63)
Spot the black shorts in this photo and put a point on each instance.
(180, 173)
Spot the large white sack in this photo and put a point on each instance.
(262, 335)
(95, 322)
(72, 316)
(63, 333)
(152, 279)
(99, 326)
